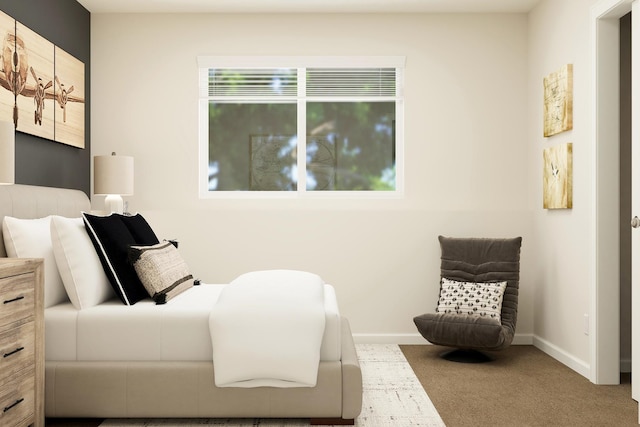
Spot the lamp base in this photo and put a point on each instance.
(114, 203)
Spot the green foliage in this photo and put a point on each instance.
(351, 145)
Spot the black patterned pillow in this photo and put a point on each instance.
(161, 269)
(469, 298)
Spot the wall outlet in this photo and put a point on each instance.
(586, 324)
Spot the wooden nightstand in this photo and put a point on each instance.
(21, 342)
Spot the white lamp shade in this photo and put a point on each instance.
(113, 175)
(7, 153)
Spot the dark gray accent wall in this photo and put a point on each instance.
(67, 24)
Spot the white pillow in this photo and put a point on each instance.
(483, 299)
(31, 238)
(82, 274)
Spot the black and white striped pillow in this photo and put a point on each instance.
(161, 269)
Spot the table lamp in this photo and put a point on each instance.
(113, 177)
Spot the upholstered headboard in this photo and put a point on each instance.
(29, 201)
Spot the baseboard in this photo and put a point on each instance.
(417, 339)
(523, 339)
(580, 366)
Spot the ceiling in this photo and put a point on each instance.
(307, 6)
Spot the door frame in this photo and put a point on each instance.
(604, 324)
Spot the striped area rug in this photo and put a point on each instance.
(392, 397)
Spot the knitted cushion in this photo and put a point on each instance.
(161, 269)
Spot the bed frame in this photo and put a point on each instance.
(166, 389)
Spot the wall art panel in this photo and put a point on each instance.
(8, 38)
(69, 97)
(41, 86)
(557, 175)
(558, 101)
(34, 83)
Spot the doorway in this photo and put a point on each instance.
(625, 195)
(605, 336)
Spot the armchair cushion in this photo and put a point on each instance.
(460, 330)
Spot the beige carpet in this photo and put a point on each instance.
(522, 387)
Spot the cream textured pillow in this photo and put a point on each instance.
(82, 274)
(470, 298)
(31, 238)
(161, 269)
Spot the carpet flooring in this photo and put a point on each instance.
(521, 387)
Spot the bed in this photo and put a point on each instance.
(149, 360)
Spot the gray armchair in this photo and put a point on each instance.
(476, 260)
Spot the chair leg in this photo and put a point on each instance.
(462, 355)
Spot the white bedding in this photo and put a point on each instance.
(178, 330)
(267, 328)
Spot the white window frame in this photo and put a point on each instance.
(299, 62)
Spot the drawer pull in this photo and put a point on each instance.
(14, 299)
(13, 352)
(13, 404)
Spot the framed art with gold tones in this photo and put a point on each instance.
(35, 68)
(8, 38)
(557, 185)
(69, 99)
(558, 101)
(41, 85)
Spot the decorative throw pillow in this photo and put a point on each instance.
(78, 263)
(112, 236)
(31, 238)
(469, 298)
(161, 270)
(140, 229)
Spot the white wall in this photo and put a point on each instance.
(469, 168)
(560, 33)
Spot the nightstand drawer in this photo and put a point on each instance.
(17, 350)
(17, 401)
(21, 342)
(17, 299)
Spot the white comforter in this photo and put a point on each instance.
(267, 328)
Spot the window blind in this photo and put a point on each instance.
(351, 82)
(252, 82)
(283, 82)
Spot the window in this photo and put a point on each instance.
(293, 125)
